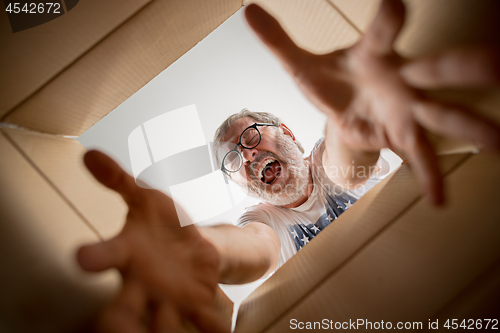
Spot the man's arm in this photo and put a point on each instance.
(344, 165)
(247, 253)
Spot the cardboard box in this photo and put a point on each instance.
(390, 257)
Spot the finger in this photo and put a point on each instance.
(208, 320)
(381, 35)
(111, 175)
(104, 255)
(125, 313)
(425, 166)
(274, 37)
(449, 121)
(167, 318)
(460, 67)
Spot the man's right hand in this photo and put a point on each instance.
(170, 273)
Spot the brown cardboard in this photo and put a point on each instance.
(41, 54)
(481, 298)
(358, 13)
(42, 287)
(313, 24)
(119, 65)
(60, 161)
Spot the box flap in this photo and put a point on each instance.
(313, 24)
(60, 161)
(32, 58)
(40, 279)
(481, 299)
(413, 268)
(119, 65)
(359, 13)
(369, 217)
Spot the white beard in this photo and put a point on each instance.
(297, 171)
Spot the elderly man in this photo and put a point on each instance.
(371, 99)
(300, 196)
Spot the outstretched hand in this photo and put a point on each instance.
(371, 94)
(170, 273)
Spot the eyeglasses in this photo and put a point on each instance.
(249, 139)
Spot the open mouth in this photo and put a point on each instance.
(269, 171)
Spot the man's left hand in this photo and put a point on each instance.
(372, 95)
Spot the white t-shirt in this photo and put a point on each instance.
(298, 226)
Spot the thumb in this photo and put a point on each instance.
(101, 256)
(274, 37)
(385, 28)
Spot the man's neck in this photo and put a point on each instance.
(306, 195)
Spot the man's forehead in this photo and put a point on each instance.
(234, 131)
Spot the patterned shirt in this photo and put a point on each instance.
(296, 227)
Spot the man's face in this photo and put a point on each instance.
(275, 170)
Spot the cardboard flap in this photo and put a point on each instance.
(314, 25)
(60, 160)
(32, 58)
(363, 223)
(42, 287)
(119, 65)
(359, 13)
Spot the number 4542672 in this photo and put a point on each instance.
(34, 8)
(472, 324)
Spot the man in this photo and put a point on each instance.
(300, 196)
(370, 97)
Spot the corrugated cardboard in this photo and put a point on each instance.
(42, 287)
(119, 65)
(60, 162)
(358, 13)
(313, 24)
(34, 57)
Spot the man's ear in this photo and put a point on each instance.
(287, 131)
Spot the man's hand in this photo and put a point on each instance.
(371, 94)
(170, 273)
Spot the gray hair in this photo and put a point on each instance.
(261, 117)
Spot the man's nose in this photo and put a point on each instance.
(249, 154)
